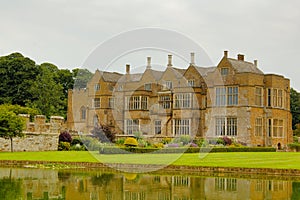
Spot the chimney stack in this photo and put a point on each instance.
(127, 69)
(148, 62)
(169, 60)
(240, 57)
(192, 58)
(255, 63)
(226, 54)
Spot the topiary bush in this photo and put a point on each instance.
(131, 142)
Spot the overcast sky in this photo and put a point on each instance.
(66, 32)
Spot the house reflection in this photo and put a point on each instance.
(51, 184)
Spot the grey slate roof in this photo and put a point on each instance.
(110, 76)
(244, 66)
(204, 70)
(156, 74)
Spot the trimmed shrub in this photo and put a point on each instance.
(158, 145)
(126, 150)
(131, 142)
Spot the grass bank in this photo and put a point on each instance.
(276, 160)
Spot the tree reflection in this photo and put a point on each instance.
(102, 179)
(10, 188)
(296, 190)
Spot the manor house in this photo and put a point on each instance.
(234, 99)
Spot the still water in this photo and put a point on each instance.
(48, 184)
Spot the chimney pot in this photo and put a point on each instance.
(226, 54)
(169, 60)
(127, 69)
(148, 62)
(255, 63)
(241, 57)
(192, 58)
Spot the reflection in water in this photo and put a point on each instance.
(33, 184)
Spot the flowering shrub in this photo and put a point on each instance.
(173, 145)
(193, 145)
(64, 146)
(158, 145)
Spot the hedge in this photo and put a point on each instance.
(127, 150)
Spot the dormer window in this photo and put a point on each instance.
(191, 83)
(97, 87)
(148, 86)
(224, 71)
(169, 85)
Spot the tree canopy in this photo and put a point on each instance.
(295, 107)
(42, 87)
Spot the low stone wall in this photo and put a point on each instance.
(32, 142)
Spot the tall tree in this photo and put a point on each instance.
(81, 77)
(47, 94)
(11, 125)
(17, 75)
(295, 107)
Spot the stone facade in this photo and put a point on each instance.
(39, 135)
(234, 99)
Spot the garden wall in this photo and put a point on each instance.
(32, 142)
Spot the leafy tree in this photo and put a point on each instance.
(11, 125)
(81, 77)
(65, 78)
(104, 133)
(295, 107)
(17, 76)
(47, 95)
(17, 109)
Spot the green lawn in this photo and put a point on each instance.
(283, 160)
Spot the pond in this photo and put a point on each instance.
(50, 184)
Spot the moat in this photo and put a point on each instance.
(50, 184)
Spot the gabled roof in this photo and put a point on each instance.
(179, 73)
(110, 76)
(156, 74)
(244, 66)
(135, 77)
(204, 70)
